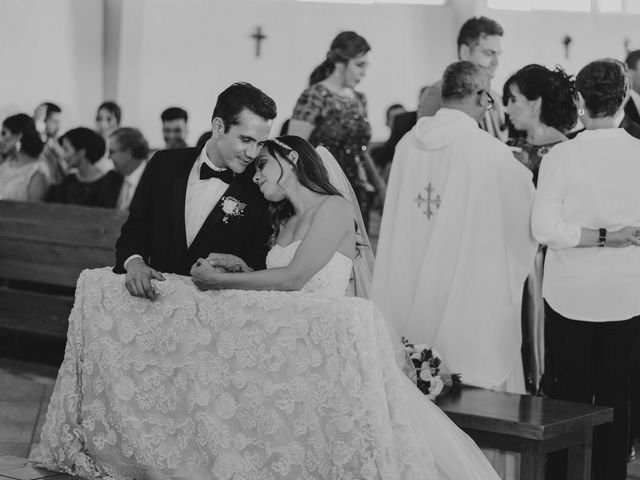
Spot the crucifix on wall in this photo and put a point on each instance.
(566, 42)
(258, 36)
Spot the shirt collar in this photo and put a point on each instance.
(134, 177)
(204, 158)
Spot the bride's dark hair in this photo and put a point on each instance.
(309, 169)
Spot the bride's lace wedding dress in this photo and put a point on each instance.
(237, 385)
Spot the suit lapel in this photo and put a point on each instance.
(216, 215)
(179, 195)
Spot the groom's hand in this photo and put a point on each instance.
(138, 280)
(230, 263)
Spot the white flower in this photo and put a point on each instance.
(425, 374)
(436, 387)
(229, 205)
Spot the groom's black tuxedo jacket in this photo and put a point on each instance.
(155, 228)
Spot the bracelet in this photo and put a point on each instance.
(602, 238)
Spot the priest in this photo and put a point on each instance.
(455, 243)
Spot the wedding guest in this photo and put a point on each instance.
(87, 185)
(23, 175)
(540, 105)
(455, 243)
(332, 113)
(632, 107)
(47, 117)
(479, 42)
(174, 127)
(129, 151)
(587, 210)
(108, 119)
(392, 112)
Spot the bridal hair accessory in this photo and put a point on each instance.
(292, 155)
(430, 375)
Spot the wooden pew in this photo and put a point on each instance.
(532, 426)
(43, 249)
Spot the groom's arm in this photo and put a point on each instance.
(258, 252)
(135, 235)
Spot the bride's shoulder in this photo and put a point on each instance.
(336, 204)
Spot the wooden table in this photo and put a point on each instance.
(532, 426)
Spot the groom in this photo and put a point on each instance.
(190, 203)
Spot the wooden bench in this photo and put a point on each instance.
(43, 249)
(532, 426)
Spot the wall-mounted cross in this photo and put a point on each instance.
(258, 36)
(422, 201)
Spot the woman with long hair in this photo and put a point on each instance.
(332, 113)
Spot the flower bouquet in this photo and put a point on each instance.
(431, 376)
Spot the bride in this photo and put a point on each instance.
(242, 379)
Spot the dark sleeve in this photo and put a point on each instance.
(309, 106)
(135, 236)
(110, 190)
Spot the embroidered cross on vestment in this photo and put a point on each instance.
(425, 203)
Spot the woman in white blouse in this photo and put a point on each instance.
(587, 210)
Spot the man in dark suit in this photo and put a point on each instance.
(190, 203)
(633, 104)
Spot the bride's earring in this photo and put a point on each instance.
(18, 145)
(581, 111)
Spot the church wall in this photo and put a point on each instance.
(51, 50)
(157, 53)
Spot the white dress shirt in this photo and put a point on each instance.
(592, 181)
(129, 186)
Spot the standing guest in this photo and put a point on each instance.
(455, 243)
(587, 210)
(392, 112)
(174, 127)
(87, 184)
(479, 42)
(129, 151)
(24, 175)
(540, 105)
(333, 114)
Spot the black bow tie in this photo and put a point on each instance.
(206, 172)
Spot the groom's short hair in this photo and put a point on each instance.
(240, 96)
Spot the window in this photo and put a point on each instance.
(562, 5)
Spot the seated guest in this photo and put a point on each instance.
(174, 127)
(108, 120)
(588, 197)
(129, 151)
(24, 175)
(47, 117)
(87, 185)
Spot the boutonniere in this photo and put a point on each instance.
(232, 207)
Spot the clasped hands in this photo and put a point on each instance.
(205, 274)
(208, 273)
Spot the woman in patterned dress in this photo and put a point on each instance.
(331, 113)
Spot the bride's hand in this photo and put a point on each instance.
(228, 262)
(205, 276)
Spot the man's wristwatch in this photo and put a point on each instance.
(602, 237)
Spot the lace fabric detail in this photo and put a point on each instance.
(229, 385)
(332, 280)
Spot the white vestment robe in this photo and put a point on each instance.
(456, 246)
